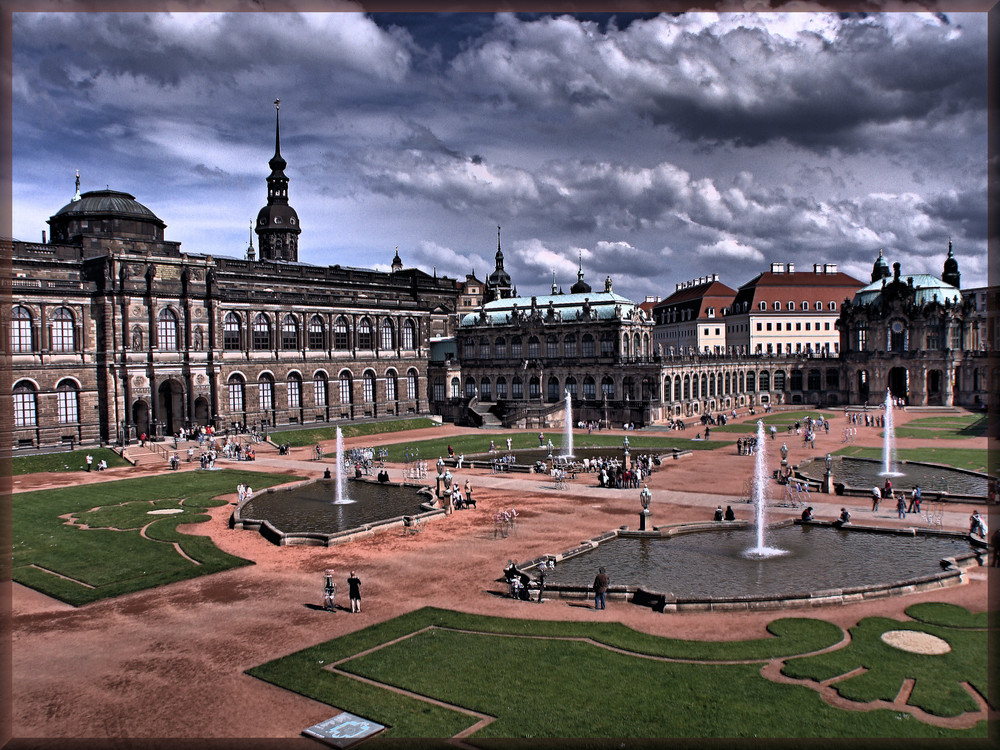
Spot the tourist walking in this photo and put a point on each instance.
(354, 592)
(914, 500)
(601, 589)
(901, 505)
(876, 498)
(329, 591)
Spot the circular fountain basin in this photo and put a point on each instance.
(863, 474)
(710, 568)
(309, 514)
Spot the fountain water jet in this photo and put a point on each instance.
(761, 550)
(889, 441)
(341, 499)
(568, 437)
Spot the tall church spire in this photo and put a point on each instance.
(277, 223)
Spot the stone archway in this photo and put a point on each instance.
(140, 417)
(935, 387)
(170, 406)
(899, 383)
(202, 413)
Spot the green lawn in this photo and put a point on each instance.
(950, 427)
(539, 680)
(781, 420)
(480, 443)
(110, 557)
(960, 458)
(64, 461)
(313, 435)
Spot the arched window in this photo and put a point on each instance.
(589, 388)
(231, 332)
(796, 380)
(469, 349)
(21, 339)
(608, 387)
(751, 382)
(552, 389)
(365, 334)
(409, 335)
(485, 391)
(484, 348)
(346, 395)
(517, 388)
(814, 380)
(779, 380)
(166, 330)
(391, 386)
(552, 346)
(501, 388)
(341, 339)
(704, 385)
(677, 388)
(67, 402)
(636, 346)
(515, 347)
(687, 387)
(261, 332)
(411, 384)
(289, 333)
(500, 348)
(571, 387)
(387, 335)
(533, 347)
(294, 390)
(320, 388)
(237, 393)
(470, 387)
(368, 386)
(764, 381)
(456, 388)
(833, 379)
(316, 332)
(25, 405)
(534, 387)
(607, 345)
(588, 345)
(265, 390)
(569, 346)
(668, 394)
(62, 338)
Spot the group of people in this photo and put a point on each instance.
(101, 465)
(728, 515)
(330, 591)
(746, 446)
(887, 493)
(243, 493)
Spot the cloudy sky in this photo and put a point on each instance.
(659, 148)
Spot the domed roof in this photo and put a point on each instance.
(107, 203)
(278, 216)
(880, 269)
(926, 289)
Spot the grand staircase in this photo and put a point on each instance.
(489, 420)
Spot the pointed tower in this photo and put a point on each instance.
(951, 274)
(397, 262)
(498, 284)
(251, 253)
(277, 223)
(581, 286)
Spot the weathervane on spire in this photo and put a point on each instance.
(276, 103)
(76, 197)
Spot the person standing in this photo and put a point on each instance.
(543, 568)
(601, 589)
(329, 591)
(914, 500)
(90, 460)
(354, 592)
(876, 498)
(901, 504)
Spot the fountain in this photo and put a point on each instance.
(341, 498)
(568, 437)
(889, 441)
(761, 550)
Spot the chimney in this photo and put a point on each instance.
(791, 268)
(830, 268)
(777, 268)
(43, 236)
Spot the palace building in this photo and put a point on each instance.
(116, 332)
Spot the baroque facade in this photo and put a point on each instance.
(116, 332)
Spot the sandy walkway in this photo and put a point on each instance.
(169, 662)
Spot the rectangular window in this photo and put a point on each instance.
(769, 326)
(236, 397)
(588, 346)
(517, 390)
(294, 394)
(515, 347)
(345, 390)
(24, 409)
(569, 347)
(760, 326)
(411, 386)
(552, 348)
(319, 391)
(779, 348)
(390, 388)
(808, 326)
(266, 395)
(315, 334)
(826, 326)
(368, 389)
(66, 407)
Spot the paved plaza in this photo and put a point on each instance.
(170, 661)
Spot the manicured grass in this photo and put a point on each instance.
(313, 435)
(64, 461)
(951, 427)
(111, 557)
(938, 677)
(960, 458)
(480, 443)
(538, 682)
